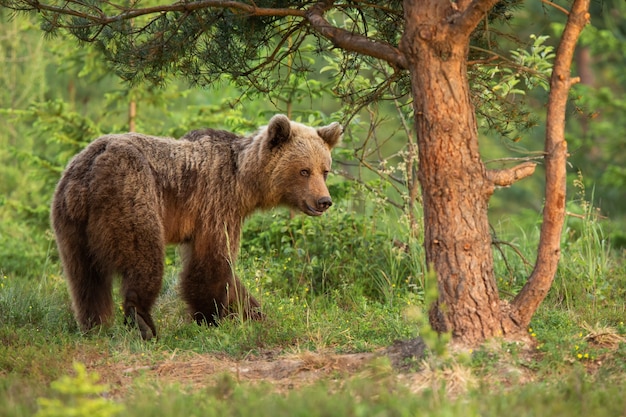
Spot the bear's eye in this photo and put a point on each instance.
(305, 173)
(325, 175)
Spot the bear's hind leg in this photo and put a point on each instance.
(139, 318)
(140, 289)
(90, 283)
(92, 297)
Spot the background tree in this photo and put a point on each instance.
(426, 47)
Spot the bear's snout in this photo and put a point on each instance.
(323, 203)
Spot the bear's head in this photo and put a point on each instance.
(300, 162)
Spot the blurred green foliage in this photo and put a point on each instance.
(56, 98)
(79, 396)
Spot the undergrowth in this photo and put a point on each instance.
(342, 283)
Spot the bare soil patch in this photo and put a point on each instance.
(284, 372)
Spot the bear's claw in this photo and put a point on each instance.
(146, 327)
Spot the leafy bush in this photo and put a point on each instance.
(23, 249)
(325, 255)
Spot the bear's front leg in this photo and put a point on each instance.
(241, 302)
(212, 291)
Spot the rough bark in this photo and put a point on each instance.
(455, 186)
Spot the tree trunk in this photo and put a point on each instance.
(533, 293)
(455, 186)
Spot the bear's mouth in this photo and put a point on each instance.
(307, 209)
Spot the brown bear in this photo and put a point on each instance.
(126, 196)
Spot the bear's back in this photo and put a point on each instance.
(177, 165)
(211, 135)
(177, 169)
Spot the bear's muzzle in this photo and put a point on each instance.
(324, 203)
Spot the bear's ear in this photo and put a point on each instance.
(278, 130)
(331, 134)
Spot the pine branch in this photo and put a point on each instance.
(506, 177)
(99, 18)
(471, 14)
(349, 41)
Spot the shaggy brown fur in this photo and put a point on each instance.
(124, 197)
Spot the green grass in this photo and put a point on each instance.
(322, 299)
(576, 396)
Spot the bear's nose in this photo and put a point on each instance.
(323, 203)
